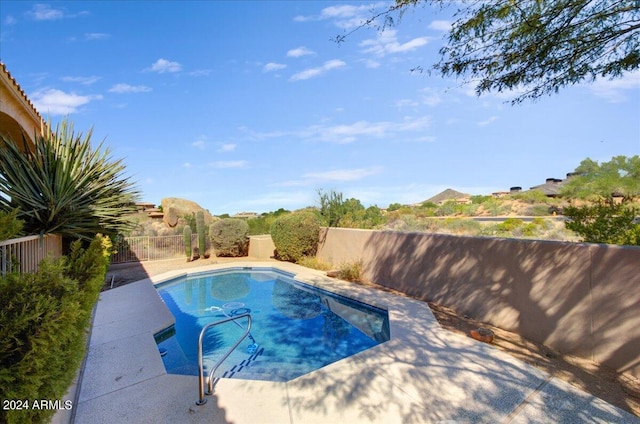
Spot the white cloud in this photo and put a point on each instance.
(336, 175)
(96, 36)
(126, 88)
(371, 64)
(348, 16)
(10, 20)
(342, 174)
(614, 90)
(199, 144)
(300, 51)
(200, 73)
(488, 121)
(301, 18)
(271, 66)
(440, 25)
(229, 164)
(430, 97)
(227, 147)
(51, 101)
(162, 65)
(404, 103)
(186, 165)
(44, 12)
(314, 72)
(387, 43)
(348, 133)
(81, 80)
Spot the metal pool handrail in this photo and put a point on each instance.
(202, 400)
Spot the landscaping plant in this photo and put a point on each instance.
(64, 185)
(202, 241)
(230, 237)
(186, 232)
(296, 235)
(43, 327)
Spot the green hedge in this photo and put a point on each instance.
(230, 237)
(44, 317)
(296, 235)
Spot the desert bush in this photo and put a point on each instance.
(351, 271)
(447, 208)
(480, 199)
(10, 225)
(531, 196)
(296, 235)
(314, 263)
(509, 224)
(604, 222)
(462, 226)
(43, 324)
(230, 237)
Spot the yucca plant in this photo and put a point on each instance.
(65, 186)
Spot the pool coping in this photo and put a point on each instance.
(424, 373)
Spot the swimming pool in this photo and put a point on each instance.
(296, 328)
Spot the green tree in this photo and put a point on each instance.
(618, 177)
(535, 46)
(332, 207)
(604, 222)
(65, 186)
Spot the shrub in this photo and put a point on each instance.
(538, 210)
(462, 226)
(604, 222)
(351, 271)
(531, 196)
(314, 263)
(10, 225)
(230, 237)
(296, 235)
(43, 325)
(509, 224)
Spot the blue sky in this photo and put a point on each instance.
(249, 106)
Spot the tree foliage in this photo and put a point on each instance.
(349, 213)
(535, 47)
(296, 235)
(618, 177)
(10, 225)
(604, 222)
(332, 207)
(65, 186)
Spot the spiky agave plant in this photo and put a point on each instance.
(65, 186)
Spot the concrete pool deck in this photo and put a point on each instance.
(423, 374)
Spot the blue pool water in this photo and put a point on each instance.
(296, 328)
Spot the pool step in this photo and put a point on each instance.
(268, 368)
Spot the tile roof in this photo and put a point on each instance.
(16, 87)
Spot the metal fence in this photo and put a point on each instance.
(145, 248)
(25, 253)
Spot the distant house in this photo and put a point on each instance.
(150, 209)
(551, 187)
(245, 215)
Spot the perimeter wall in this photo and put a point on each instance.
(580, 299)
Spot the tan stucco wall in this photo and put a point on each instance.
(17, 114)
(581, 299)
